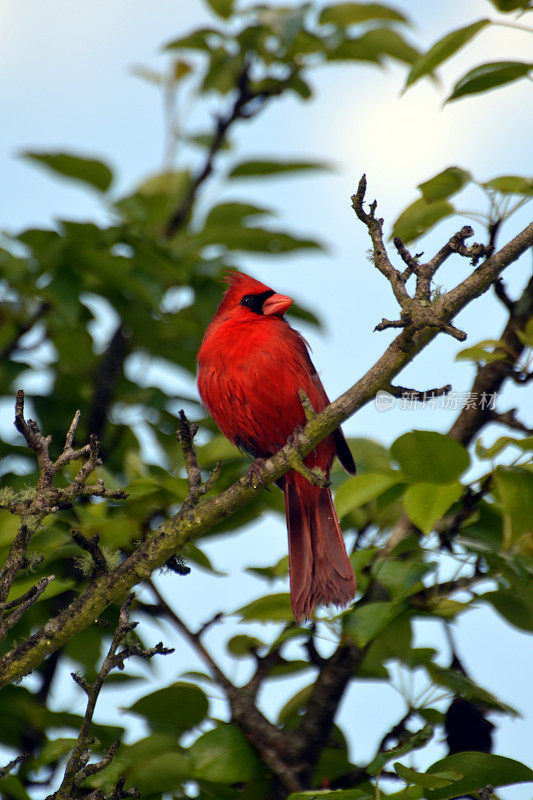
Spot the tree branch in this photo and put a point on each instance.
(78, 769)
(197, 487)
(375, 230)
(241, 109)
(328, 690)
(487, 383)
(490, 377)
(179, 529)
(22, 329)
(509, 419)
(33, 507)
(413, 394)
(12, 764)
(274, 747)
(106, 376)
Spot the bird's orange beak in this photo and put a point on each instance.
(277, 305)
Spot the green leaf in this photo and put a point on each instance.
(296, 704)
(357, 491)
(23, 585)
(443, 49)
(515, 605)
(414, 742)
(478, 769)
(270, 573)
(253, 240)
(53, 750)
(420, 217)
(422, 779)
(342, 14)
(466, 688)
(242, 645)
(388, 42)
(172, 184)
(223, 72)
(367, 620)
(231, 213)
(526, 335)
(223, 755)
(370, 456)
(181, 706)
(515, 491)
(163, 773)
(273, 607)
(446, 183)
(400, 578)
(500, 444)
(489, 76)
(223, 8)
(254, 169)
(480, 353)
(505, 6)
(511, 184)
(300, 87)
(86, 170)
(426, 503)
(283, 668)
(427, 456)
(358, 49)
(197, 40)
(11, 787)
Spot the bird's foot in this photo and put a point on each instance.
(314, 475)
(254, 473)
(292, 439)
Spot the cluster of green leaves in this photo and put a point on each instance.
(421, 475)
(292, 38)
(484, 77)
(157, 294)
(503, 196)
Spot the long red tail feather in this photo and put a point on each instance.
(320, 570)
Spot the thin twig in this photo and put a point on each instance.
(375, 229)
(414, 394)
(197, 488)
(92, 547)
(78, 768)
(247, 103)
(12, 764)
(22, 604)
(395, 323)
(509, 419)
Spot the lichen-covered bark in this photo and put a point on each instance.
(190, 523)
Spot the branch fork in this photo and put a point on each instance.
(419, 311)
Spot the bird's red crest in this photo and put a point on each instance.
(239, 284)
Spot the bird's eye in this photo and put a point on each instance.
(247, 300)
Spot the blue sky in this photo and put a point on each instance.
(67, 85)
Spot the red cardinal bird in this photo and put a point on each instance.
(251, 365)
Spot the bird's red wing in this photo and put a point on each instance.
(341, 446)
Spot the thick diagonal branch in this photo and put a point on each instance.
(176, 532)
